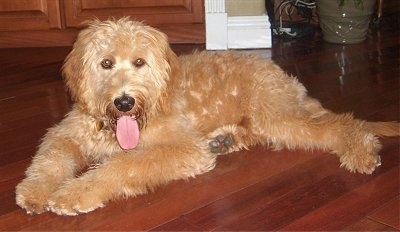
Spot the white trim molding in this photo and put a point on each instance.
(235, 32)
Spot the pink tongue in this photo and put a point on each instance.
(127, 132)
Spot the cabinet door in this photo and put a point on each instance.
(29, 14)
(153, 12)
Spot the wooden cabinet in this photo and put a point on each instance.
(154, 12)
(56, 22)
(29, 14)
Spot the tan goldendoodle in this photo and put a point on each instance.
(143, 117)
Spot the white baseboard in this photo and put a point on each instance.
(235, 32)
(249, 32)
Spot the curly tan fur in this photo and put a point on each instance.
(183, 105)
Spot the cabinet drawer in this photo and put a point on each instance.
(154, 12)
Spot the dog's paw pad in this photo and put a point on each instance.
(221, 143)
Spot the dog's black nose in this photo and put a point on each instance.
(124, 103)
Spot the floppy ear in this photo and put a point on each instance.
(73, 70)
(174, 74)
(160, 40)
(172, 67)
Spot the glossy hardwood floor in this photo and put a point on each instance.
(259, 189)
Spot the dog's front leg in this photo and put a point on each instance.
(130, 174)
(56, 160)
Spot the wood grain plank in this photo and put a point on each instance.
(247, 200)
(310, 198)
(352, 206)
(366, 224)
(179, 224)
(388, 213)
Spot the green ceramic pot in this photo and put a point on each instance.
(345, 24)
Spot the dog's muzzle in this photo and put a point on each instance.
(124, 121)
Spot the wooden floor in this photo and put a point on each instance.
(258, 189)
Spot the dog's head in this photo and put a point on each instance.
(119, 72)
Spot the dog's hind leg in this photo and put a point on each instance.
(354, 141)
(228, 138)
(232, 137)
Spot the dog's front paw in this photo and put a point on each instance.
(32, 196)
(221, 143)
(76, 197)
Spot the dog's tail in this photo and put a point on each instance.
(384, 128)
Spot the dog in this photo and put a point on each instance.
(143, 117)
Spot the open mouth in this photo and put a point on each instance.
(126, 127)
(127, 132)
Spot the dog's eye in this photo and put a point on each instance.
(139, 62)
(107, 64)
